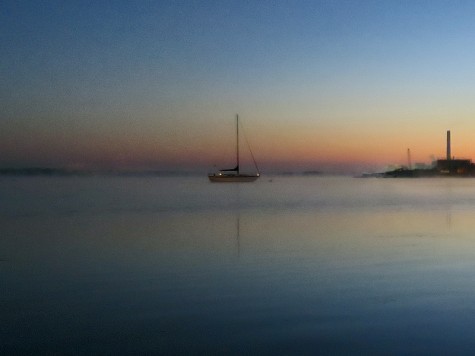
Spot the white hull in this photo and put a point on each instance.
(232, 178)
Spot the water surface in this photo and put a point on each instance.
(292, 265)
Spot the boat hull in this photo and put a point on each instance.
(217, 178)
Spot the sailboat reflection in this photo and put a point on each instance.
(238, 236)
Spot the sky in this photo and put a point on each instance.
(318, 85)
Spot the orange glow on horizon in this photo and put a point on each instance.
(280, 145)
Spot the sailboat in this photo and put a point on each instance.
(234, 174)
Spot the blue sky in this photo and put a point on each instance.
(156, 84)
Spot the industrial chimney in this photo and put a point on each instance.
(448, 146)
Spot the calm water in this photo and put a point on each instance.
(296, 265)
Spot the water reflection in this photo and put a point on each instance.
(355, 269)
(238, 237)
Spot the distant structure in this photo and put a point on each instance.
(450, 166)
(449, 155)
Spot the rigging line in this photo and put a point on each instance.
(249, 147)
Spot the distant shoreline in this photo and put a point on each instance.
(60, 172)
(65, 172)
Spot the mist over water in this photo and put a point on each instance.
(307, 265)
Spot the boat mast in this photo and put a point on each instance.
(237, 142)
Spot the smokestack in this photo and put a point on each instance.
(449, 155)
